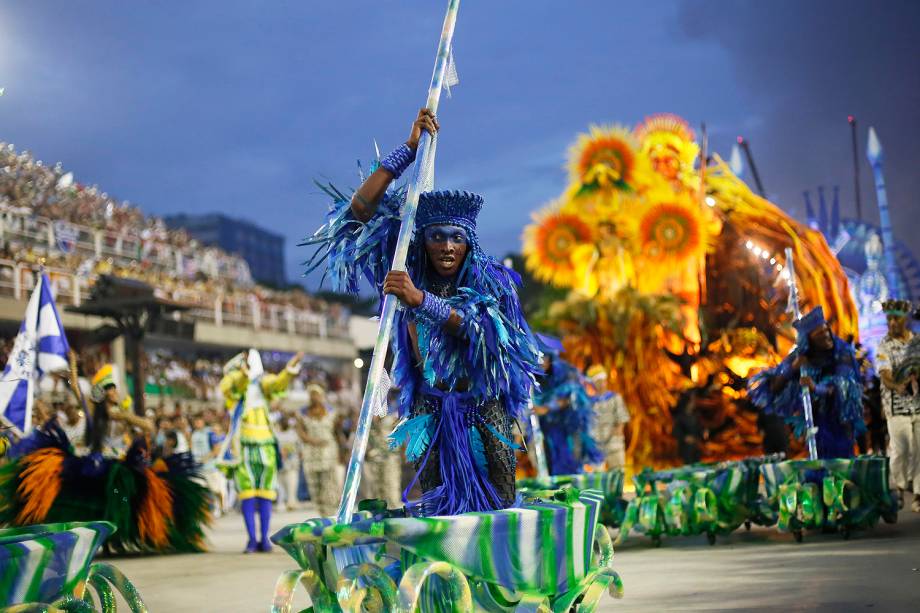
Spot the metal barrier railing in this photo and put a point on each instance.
(92, 242)
(18, 278)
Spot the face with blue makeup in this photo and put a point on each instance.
(446, 247)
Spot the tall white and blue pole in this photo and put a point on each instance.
(810, 429)
(424, 161)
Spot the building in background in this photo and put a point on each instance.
(262, 250)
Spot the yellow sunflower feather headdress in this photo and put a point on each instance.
(670, 231)
(669, 145)
(607, 158)
(549, 242)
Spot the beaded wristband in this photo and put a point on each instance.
(433, 309)
(398, 160)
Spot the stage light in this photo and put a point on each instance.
(359, 363)
(779, 267)
(710, 201)
(765, 254)
(757, 250)
(772, 261)
(749, 245)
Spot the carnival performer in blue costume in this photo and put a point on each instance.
(826, 365)
(465, 359)
(566, 413)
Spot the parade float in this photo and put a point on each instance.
(842, 495)
(710, 499)
(839, 495)
(547, 555)
(671, 274)
(48, 567)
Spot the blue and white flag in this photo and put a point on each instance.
(40, 347)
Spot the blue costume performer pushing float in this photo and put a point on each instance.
(819, 383)
(566, 413)
(465, 361)
(826, 366)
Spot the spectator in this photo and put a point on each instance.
(901, 403)
(73, 423)
(170, 443)
(317, 430)
(202, 446)
(205, 448)
(86, 223)
(290, 445)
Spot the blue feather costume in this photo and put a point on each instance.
(567, 425)
(836, 401)
(459, 402)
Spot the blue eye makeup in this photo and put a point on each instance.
(442, 234)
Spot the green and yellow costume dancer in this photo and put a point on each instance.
(252, 450)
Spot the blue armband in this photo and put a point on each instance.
(398, 160)
(433, 310)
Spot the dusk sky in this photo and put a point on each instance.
(237, 107)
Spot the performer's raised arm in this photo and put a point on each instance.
(365, 200)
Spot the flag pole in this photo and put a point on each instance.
(810, 429)
(424, 160)
(40, 347)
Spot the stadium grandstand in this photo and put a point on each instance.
(80, 232)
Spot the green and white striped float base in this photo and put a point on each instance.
(47, 567)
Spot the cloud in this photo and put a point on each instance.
(802, 68)
(199, 107)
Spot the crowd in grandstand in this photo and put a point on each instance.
(46, 216)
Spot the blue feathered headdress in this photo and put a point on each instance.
(454, 208)
(549, 344)
(810, 322)
(807, 324)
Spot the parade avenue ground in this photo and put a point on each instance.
(760, 570)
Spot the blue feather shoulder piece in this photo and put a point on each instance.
(352, 249)
(497, 353)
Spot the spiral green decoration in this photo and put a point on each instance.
(283, 602)
(103, 577)
(841, 496)
(366, 588)
(530, 558)
(418, 575)
(494, 598)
